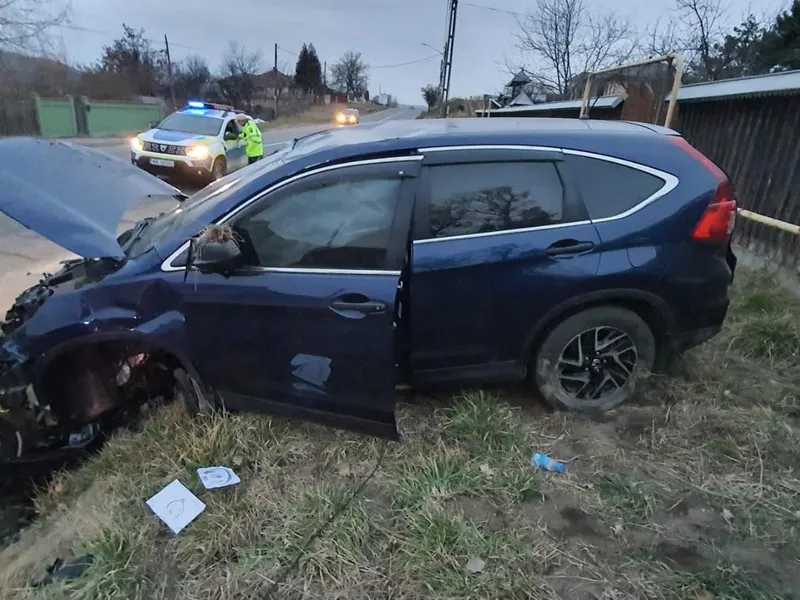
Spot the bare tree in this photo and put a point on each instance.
(191, 77)
(239, 67)
(694, 31)
(350, 74)
(25, 25)
(702, 20)
(565, 39)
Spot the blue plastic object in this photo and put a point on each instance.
(544, 462)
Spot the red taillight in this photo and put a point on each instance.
(718, 221)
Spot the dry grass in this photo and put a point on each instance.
(693, 492)
(318, 114)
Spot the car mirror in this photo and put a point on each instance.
(220, 257)
(230, 136)
(153, 124)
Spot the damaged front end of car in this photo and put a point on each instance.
(58, 399)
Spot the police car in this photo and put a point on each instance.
(199, 141)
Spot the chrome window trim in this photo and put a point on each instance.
(468, 236)
(670, 183)
(167, 267)
(313, 271)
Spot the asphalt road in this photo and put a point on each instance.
(24, 255)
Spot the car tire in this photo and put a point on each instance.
(218, 170)
(614, 347)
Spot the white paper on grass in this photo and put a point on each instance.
(217, 477)
(176, 506)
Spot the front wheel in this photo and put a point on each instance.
(218, 170)
(589, 362)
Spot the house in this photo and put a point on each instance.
(267, 84)
(633, 94)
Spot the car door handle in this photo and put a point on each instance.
(568, 248)
(358, 303)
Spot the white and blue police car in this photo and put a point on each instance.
(200, 141)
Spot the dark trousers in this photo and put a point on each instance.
(252, 159)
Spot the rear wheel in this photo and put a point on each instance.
(589, 362)
(218, 169)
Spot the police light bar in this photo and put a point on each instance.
(211, 105)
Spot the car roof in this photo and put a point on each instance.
(398, 135)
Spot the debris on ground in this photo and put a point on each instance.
(59, 571)
(475, 565)
(176, 506)
(544, 462)
(217, 477)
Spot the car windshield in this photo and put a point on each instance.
(162, 226)
(187, 123)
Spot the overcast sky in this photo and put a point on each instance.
(386, 32)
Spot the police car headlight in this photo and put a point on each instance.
(136, 144)
(197, 152)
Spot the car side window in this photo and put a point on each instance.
(342, 224)
(492, 197)
(608, 188)
(231, 128)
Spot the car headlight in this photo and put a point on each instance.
(197, 152)
(352, 118)
(136, 144)
(340, 118)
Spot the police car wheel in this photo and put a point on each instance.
(218, 169)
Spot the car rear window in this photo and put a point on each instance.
(609, 189)
(491, 197)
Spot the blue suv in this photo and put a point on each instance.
(354, 262)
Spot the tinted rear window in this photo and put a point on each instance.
(490, 197)
(608, 188)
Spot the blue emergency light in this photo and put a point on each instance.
(196, 104)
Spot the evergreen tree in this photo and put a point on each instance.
(780, 47)
(314, 69)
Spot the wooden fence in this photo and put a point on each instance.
(756, 141)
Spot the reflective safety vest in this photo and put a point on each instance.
(251, 134)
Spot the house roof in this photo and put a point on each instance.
(757, 85)
(594, 103)
(268, 79)
(519, 79)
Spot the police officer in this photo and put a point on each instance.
(251, 134)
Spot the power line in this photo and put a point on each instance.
(493, 9)
(403, 64)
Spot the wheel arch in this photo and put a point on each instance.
(49, 360)
(650, 307)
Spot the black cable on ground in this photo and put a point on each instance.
(334, 515)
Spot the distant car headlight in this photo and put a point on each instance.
(340, 118)
(136, 144)
(197, 152)
(352, 118)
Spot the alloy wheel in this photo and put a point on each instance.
(596, 363)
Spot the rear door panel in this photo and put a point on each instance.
(476, 298)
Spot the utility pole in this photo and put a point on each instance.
(275, 69)
(325, 76)
(169, 73)
(447, 59)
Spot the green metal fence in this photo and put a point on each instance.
(56, 116)
(120, 118)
